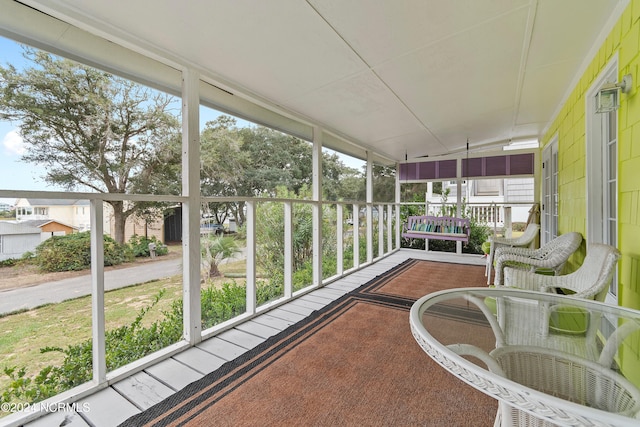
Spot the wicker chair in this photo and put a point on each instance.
(524, 240)
(550, 256)
(590, 281)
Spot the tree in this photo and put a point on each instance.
(254, 161)
(214, 250)
(223, 163)
(90, 129)
(384, 183)
(276, 159)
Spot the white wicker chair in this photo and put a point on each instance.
(590, 281)
(552, 256)
(524, 240)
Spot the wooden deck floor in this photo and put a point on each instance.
(111, 406)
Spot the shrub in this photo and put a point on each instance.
(73, 252)
(8, 262)
(219, 305)
(140, 246)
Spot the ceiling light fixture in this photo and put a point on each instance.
(608, 97)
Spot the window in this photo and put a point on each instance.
(488, 187)
(25, 211)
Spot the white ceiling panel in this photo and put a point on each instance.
(566, 29)
(362, 103)
(541, 92)
(465, 76)
(383, 30)
(392, 77)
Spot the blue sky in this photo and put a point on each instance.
(14, 175)
(18, 175)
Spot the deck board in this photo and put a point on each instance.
(241, 338)
(330, 293)
(297, 309)
(281, 313)
(60, 418)
(274, 322)
(221, 348)
(260, 330)
(200, 360)
(143, 390)
(108, 408)
(173, 373)
(302, 302)
(317, 299)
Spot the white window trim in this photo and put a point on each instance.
(594, 175)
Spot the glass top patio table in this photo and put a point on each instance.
(549, 359)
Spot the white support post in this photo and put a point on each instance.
(251, 257)
(339, 239)
(380, 230)
(508, 225)
(97, 292)
(288, 249)
(191, 209)
(369, 200)
(356, 235)
(389, 229)
(317, 206)
(398, 193)
(459, 199)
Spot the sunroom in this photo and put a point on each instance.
(416, 97)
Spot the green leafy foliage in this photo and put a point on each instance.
(213, 250)
(221, 304)
(73, 252)
(140, 246)
(8, 262)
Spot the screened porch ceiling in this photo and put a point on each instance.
(400, 78)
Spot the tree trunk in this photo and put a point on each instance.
(240, 216)
(119, 221)
(214, 271)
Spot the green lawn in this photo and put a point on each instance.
(23, 334)
(59, 325)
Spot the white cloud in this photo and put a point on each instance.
(13, 143)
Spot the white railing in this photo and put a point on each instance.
(385, 225)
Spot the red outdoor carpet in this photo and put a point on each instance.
(352, 363)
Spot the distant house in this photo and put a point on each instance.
(50, 227)
(517, 194)
(16, 238)
(77, 214)
(4, 207)
(74, 212)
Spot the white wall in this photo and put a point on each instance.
(14, 245)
